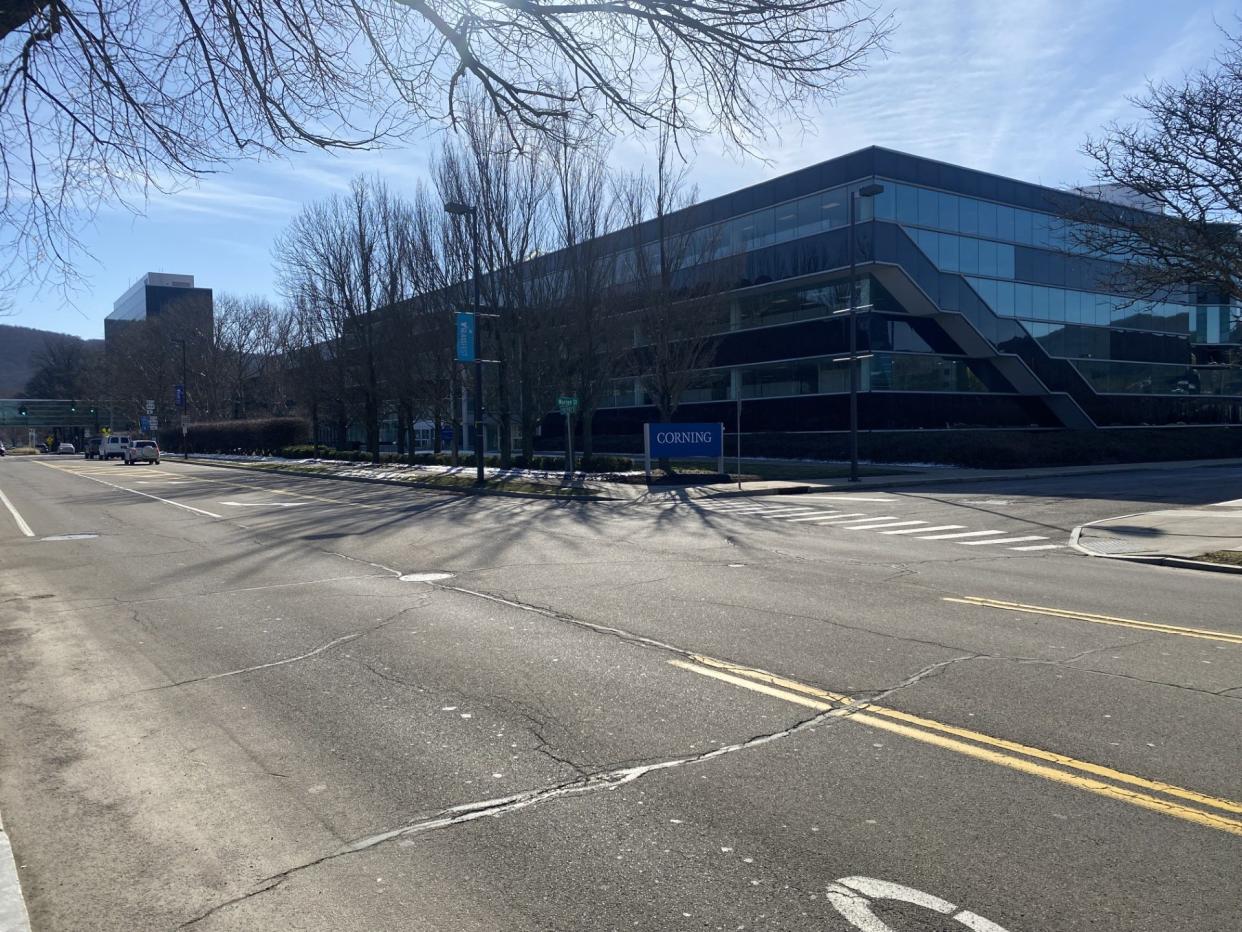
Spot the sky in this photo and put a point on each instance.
(1010, 87)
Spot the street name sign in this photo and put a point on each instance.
(567, 404)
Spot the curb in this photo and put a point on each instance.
(13, 915)
(1153, 559)
(500, 493)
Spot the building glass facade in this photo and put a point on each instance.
(979, 307)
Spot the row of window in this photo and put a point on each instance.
(1156, 379)
(1217, 324)
(1062, 305)
(878, 372)
(1077, 341)
(966, 254)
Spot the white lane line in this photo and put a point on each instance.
(966, 534)
(785, 515)
(848, 514)
(873, 527)
(818, 516)
(1003, 540)
(13, 917)
(21, 522)
(1041, 547)
(927, 530)
(265, 504)
(166, 501)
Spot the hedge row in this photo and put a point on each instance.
(258, 435)
(551, 463)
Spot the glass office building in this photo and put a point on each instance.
(978, 309)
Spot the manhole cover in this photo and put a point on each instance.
(425, 577)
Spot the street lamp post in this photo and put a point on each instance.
(869, 190)
(185, 397)
(458, 209)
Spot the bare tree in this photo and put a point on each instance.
(1180, 165)
(104, 98)
(508, 183)
(343, 259)
(65, 367)
(585, 209)
(678, 309)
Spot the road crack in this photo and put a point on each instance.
(580, 786)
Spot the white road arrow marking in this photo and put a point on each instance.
(852, 898)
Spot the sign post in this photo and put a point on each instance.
(683, 441)
(568, 406)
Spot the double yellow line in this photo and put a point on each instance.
(1209, 811)
(1092, 618)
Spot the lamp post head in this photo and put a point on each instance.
(870, 190)
(457, 208)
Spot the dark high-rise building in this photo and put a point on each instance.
(183, 310)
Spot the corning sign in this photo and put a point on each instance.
(682, 440)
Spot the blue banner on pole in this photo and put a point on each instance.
(682, 440)
(464, 324)
(179, 395)
(446, 434)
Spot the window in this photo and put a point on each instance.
(907, 204)
(987, 218)
(948, 212)
(929, 208)
(968, 215)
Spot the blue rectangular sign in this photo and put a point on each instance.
(144, 423)
(464, 324)
(179, 395)
(686, 440)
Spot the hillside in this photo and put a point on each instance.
(18, 346)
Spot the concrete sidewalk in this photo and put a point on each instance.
(917, 476)
(1173, 536)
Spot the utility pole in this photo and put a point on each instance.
(185, 399)
(468, 210)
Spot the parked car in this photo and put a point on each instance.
(3, 452)
(113, 445)
(142, 451)
(91, 448)
(66, 448)
(41, 447)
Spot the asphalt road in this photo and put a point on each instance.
(226, 709)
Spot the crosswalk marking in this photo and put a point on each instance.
(927, 530)
(827, 515)
(1003, 540)
(859, 520)
(964, 534)
(872, 527)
